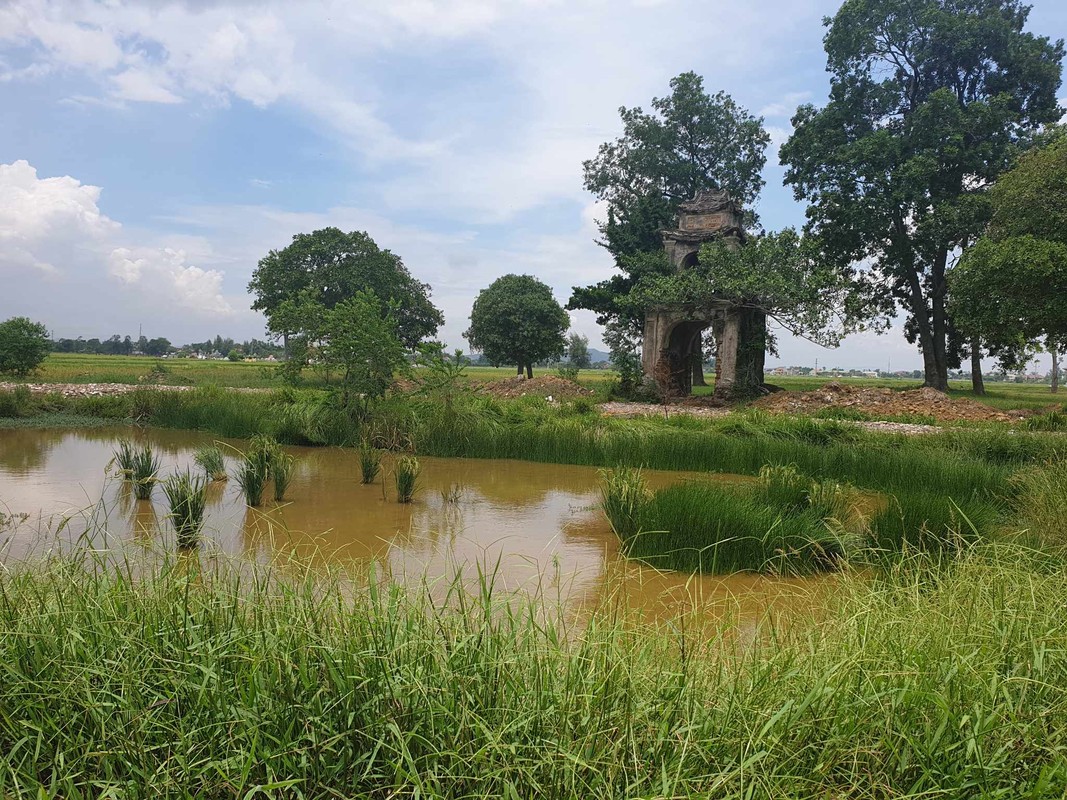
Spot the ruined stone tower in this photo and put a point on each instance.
(672, 337)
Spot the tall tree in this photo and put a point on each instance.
(578, 351)
(516, 320)
(690, 142)
(333, 266)
(929, 102)
(1010, 286)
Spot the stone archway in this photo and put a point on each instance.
(673, 336)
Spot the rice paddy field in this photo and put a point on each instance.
(929, 659)
(83, 368)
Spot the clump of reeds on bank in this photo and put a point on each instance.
(209, 458)
(138, 466)
(930, 677)
(407, 478)
(624, 495)
(187, 498)
(370, 462)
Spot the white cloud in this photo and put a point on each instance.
(59, 251)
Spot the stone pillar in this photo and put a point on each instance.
(741, 356)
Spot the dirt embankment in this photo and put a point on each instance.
(881, 402)
(547, 386)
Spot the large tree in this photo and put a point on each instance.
(516, 320)
(1010, 286)
(929, 102)
(690, 142)
(330, 266)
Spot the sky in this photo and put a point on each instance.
(152, 152)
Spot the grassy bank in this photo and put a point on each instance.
(177, 684)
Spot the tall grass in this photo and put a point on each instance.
(370, 462)
(229, 685)
(624, 496)
(407, 478)
(187, 498)
(282, 468)
(209, 458)
(252, 475)
(138, 466)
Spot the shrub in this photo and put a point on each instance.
(24, 344)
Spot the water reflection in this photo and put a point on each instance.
(535, 527)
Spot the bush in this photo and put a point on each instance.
(24, 344)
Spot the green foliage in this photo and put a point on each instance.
(517, 321)
(929, 101)
(209, 458)
(24, 344)
(362, 348)
(370, 462)
(234, 355)
(186, 498)
(326, 268)
(690, 142)
(407, 478)
(784, 487)
(139, 466)
(1008, 285)
(254, 467)
(624, 495)
(282, 468)
(17, 403)
(578, 351)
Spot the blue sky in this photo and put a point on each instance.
(152, 152)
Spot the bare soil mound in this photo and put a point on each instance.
(547, 386)
(881, 402)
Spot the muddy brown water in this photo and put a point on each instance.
(535, 527)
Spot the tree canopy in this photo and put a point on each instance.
(330, 266)
(24, 344)
(690, 142)
(1011, 284)
(929, 102)
(780, 274)
(516, 320)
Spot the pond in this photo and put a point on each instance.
(535, 527)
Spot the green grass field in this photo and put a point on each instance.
(76, 368)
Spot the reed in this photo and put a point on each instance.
(407, 478)
(282, 468)
(370, 462)
(209, 458)
(139, 467)
(252, 475)
(624, 497)
(235, 684)
(187, 498)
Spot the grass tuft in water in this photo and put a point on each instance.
(187, 498)
(624, 495)
(209, 458)
(281, 470)
(370, 462)
(139, 467)
(407, 478)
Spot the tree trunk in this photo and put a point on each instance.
(1055, 351)
(520, 370)
(529, 371)
(938, 290)
(977, 382)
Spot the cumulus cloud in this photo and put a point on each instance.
(59, 250)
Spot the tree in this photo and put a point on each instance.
(691, 142)
(516, 320)
(1006, 288)
(157, 347)
(362, 346)
(578, 351)
(331, 266)
(929, 102)
(24, 344)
